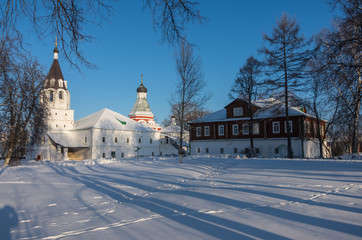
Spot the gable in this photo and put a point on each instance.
(239, 108)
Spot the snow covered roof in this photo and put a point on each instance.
(171, 129)
(66, 139)
(108, 119)
(268, 108)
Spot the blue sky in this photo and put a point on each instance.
(127, 46)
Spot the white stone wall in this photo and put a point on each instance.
(128, 149)
(266, 147)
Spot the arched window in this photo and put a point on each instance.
(61, 95)
(51, 96)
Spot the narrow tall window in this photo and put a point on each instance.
(290, 126)
(221, 150)
(151, 140)
(235, 129)
(51, 96)
(115, 139)
(207, 131)
(85, 140)
(245, 129)
(256, 128)
(61, 95)
(207, 150)
(198, 132)
(221, 130)
(127, 140)
(139, 140)
(276, 127)
(104, 155)
(103, 139)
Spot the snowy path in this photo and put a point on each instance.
(204, 198)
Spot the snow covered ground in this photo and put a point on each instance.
(204, 198)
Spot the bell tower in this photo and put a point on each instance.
(57, 96)
(141, 111)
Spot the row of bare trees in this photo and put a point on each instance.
(326, 70)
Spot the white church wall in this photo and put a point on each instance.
(119, 144)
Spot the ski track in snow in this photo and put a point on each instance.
(105, 205)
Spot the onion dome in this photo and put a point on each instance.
(142, 88)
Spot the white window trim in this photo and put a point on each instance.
(239, 111)
(223, 130)
(256, 124)
(235, 129)
(198, 131)
(278, 123)
(245, 126)
(291, 126)
(207, 131)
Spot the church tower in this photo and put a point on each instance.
(55, 88)
(141, 111)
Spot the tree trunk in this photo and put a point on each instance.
(8, 156)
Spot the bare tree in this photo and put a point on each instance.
(21, 81)
(246, 86)
(67, 19)
(286, 57)
(340, 57)
(187, 96)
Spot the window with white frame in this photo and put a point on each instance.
(307, 126)
(276, 127)
(290, 126)
(238, 111)
(235, 129)
(256, 129)
(206, 131)
(245, 129)
(221, 130)
(198, 132)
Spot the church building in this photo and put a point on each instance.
(104, 134)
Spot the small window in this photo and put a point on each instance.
(235, 129)
(207, 131)
(115, 139)
(127, 140)
(256, 128)
(43, 140)
(61, 95)
(307, 126)
(122, 155)
(56, 114)
(238, 111)
(290, 126)
(151, 142)
(245, 129)
(60, 83)
(257, 150)
(221, 150)
(235, 150)
(103, 139)
(51, 96)
(139, 140)
(113, 154)
(85, 140)
(276, 150)
(206, 150)
(153, 154)
(198, 150)
(160, 153)
(104, 155)
(221, 130)
(64, 126)
(276, 127)
(198, 132)
(166, 140)
(56, 125)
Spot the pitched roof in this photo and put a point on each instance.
(268, 108)
(55, 73)
(141, 108)
(108, 119)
